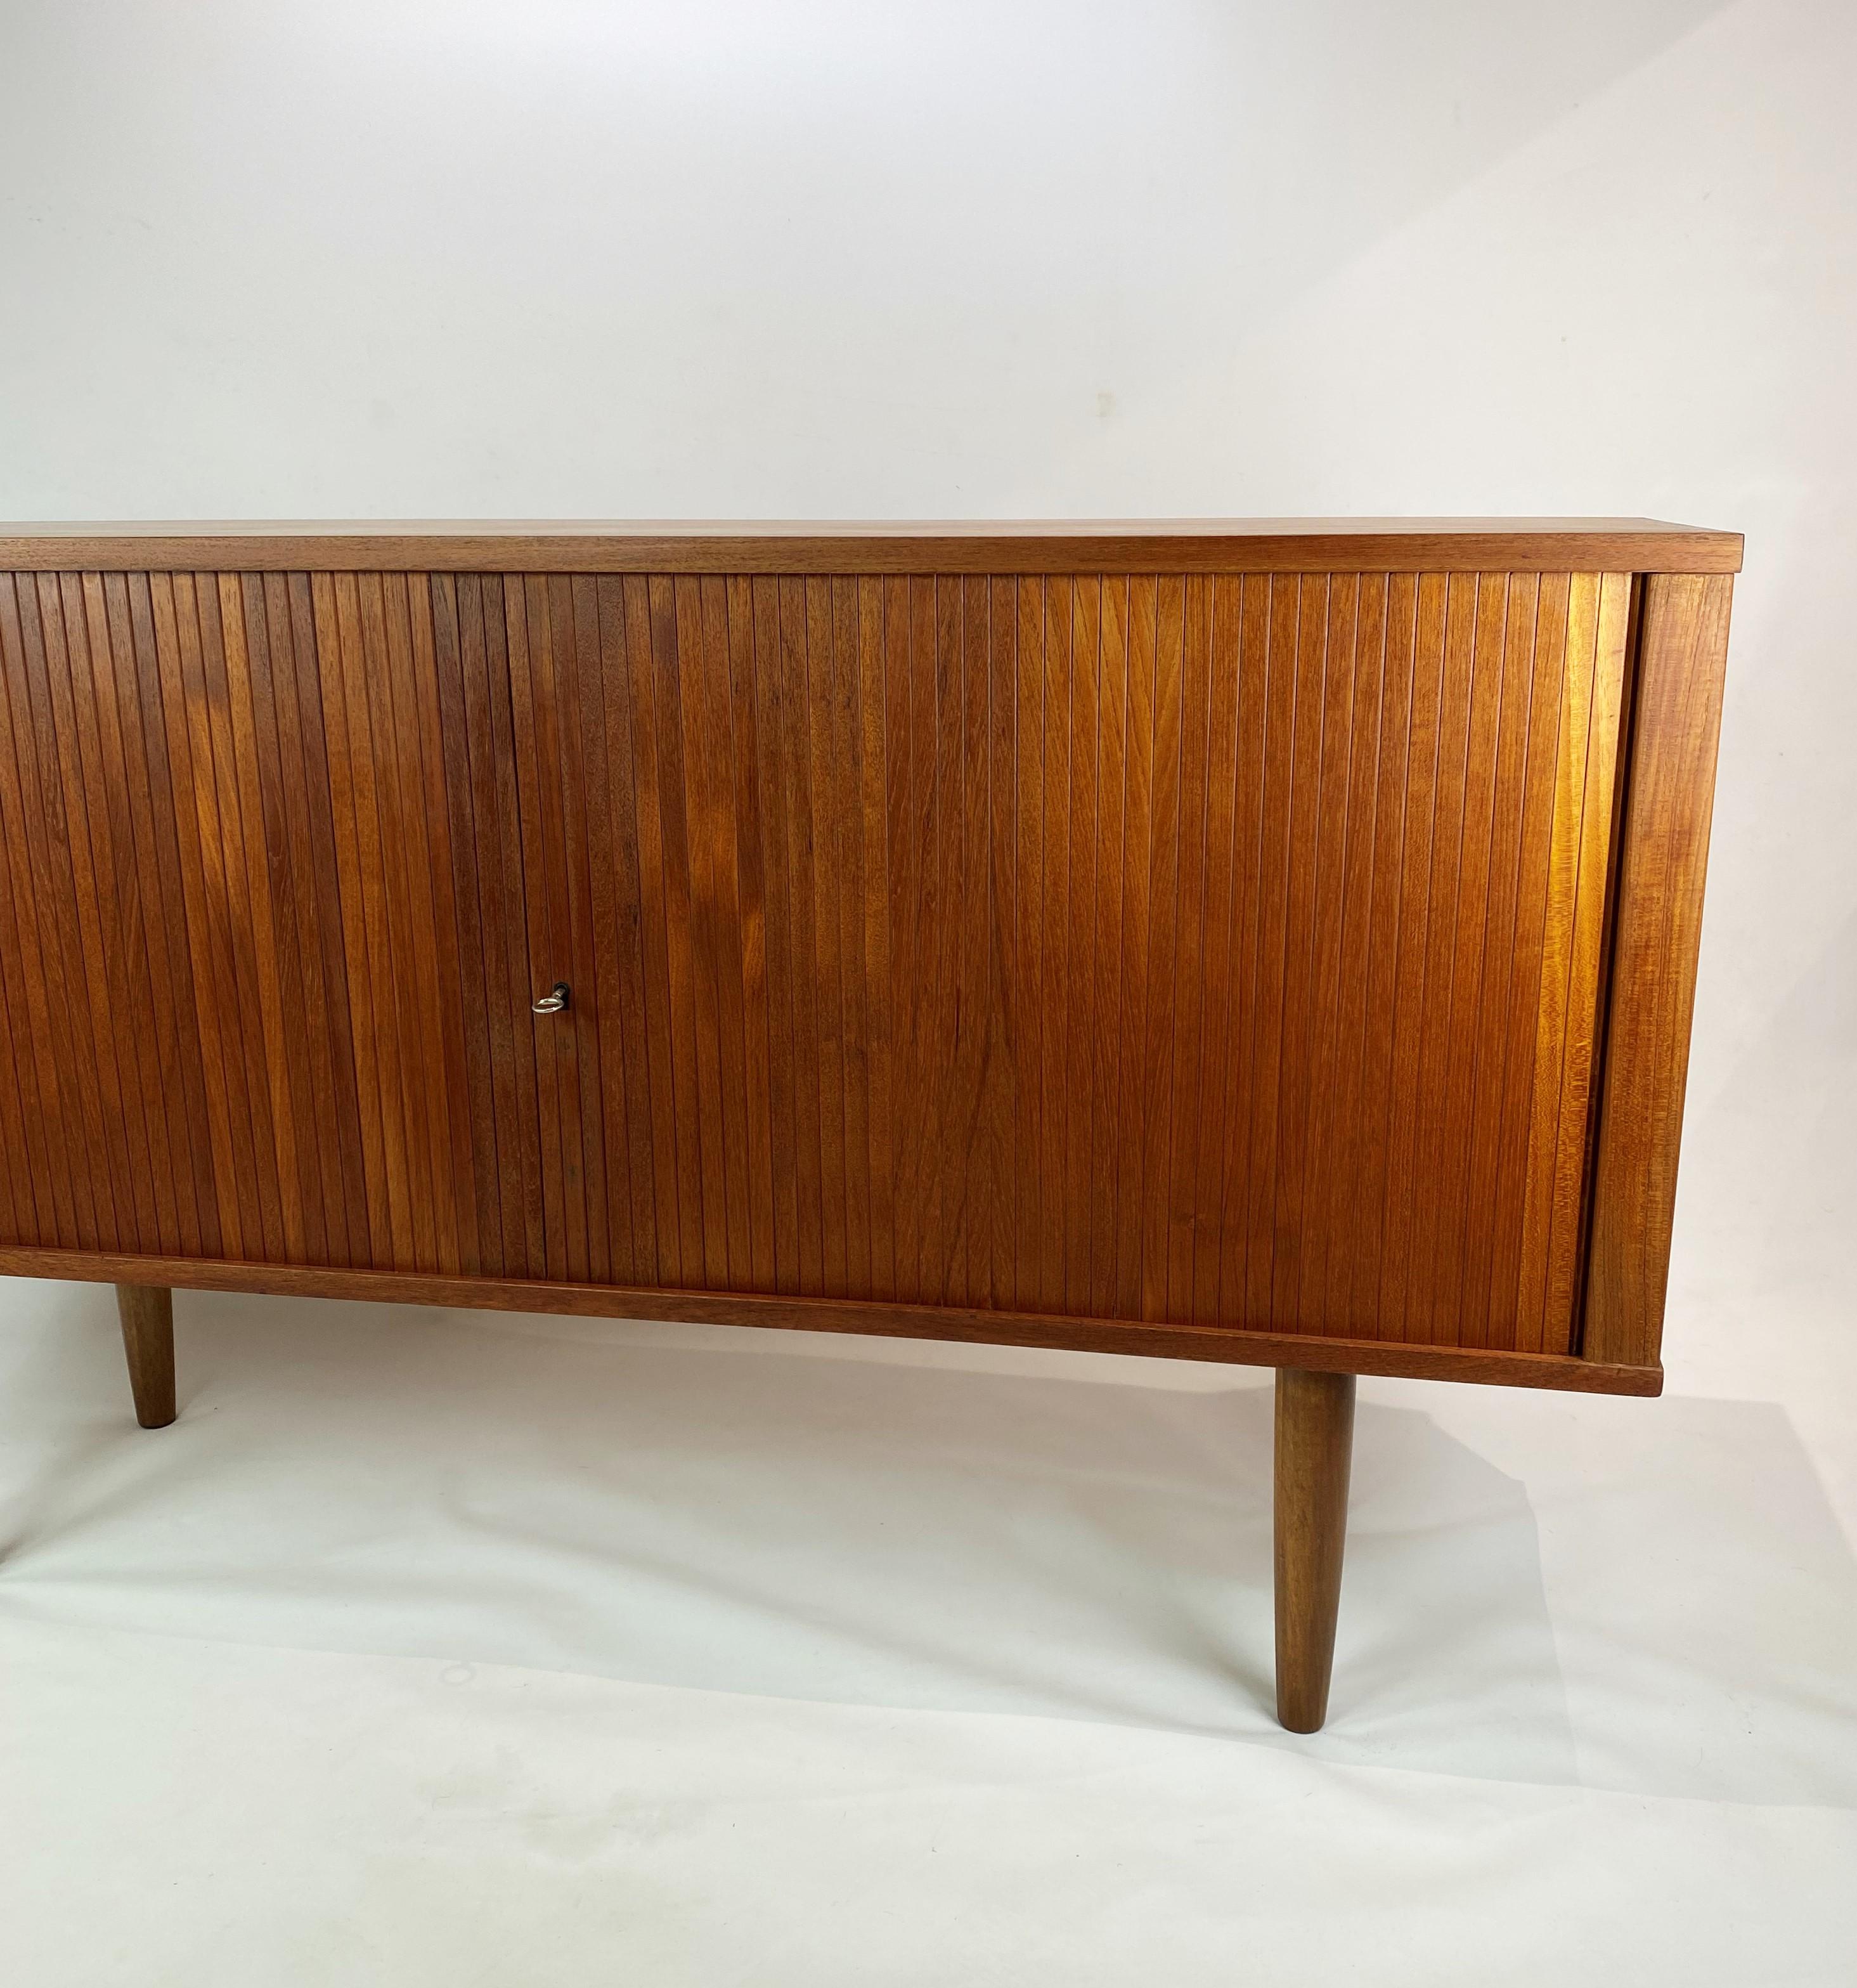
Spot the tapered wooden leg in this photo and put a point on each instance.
(148, 1338)
(1315, 1446)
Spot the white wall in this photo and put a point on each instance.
(551, 258)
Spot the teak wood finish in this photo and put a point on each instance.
(1314, 1456)
(1258, 943)
(147, 1315)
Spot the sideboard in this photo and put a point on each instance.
(1263, 942)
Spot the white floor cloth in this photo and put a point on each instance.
(445, 1648)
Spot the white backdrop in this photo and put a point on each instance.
(554, 257)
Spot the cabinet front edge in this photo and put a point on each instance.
(1230, 1346)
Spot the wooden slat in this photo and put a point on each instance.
(458, 910)
(195, 904)
(996, 1227)
(882, 607)
(1462, 995)
(1534, 858)
(1566, 1005)
(792, 749)
(1598, 828)
(573, 624)
(399, 793)
(1187, 1097)
(1050, 979)
(1501, 926)
(821, 805)
(1162, 964)
(115, 948)
(909, 686)
(1303, 1058)
(845, 730)
(35, 1043)
(49, 771)
(1341, 817)
(609, 830)
(1400, 1207)
(693, 834)
(1090, 1215)
(456, 1174)
(1234, 790)
(1447, 903)
(540, 887)
(1364, 1236)
(320, 883)
(1112, 1027)
(263, 800)
(639, 704)
(502, 1038)
(377, 979)
(256, 1021)
(772, 776)
(149, 1066)
(1135, 1085)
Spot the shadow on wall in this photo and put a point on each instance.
(553, 1494)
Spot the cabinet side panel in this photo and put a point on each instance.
(1682, 650)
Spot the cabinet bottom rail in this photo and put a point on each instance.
(1229, 1345)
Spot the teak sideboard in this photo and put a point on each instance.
(1263, 942)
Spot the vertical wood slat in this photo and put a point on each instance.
(283, 977)
(1251, 659)
(355, 765)
(881, 608)
(1502, 928)
(213, 659)
(1568, 1001)
(98, 952)
(575, 669)
(1449, 910)
(65, 909)
(464, 951)
(1342, 820)
(119, 783)
(329, 1012)
(231, 697)
(842, 701)
(465, 613)
(35, 1036)
(621, 939)
(1237, 678)
(709, 692)
(419, 842)
(1171, 601)
(1211, 948)
(536, 865)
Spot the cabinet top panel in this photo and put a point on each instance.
(1142, 545)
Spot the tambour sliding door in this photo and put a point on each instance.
(1243, 946)
(1212, 949)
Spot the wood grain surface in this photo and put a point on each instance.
(1007, 547)
(1211, 950)
(1557, 1371)
(1315, 1454)
(147, 1314)
(1663, 861)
